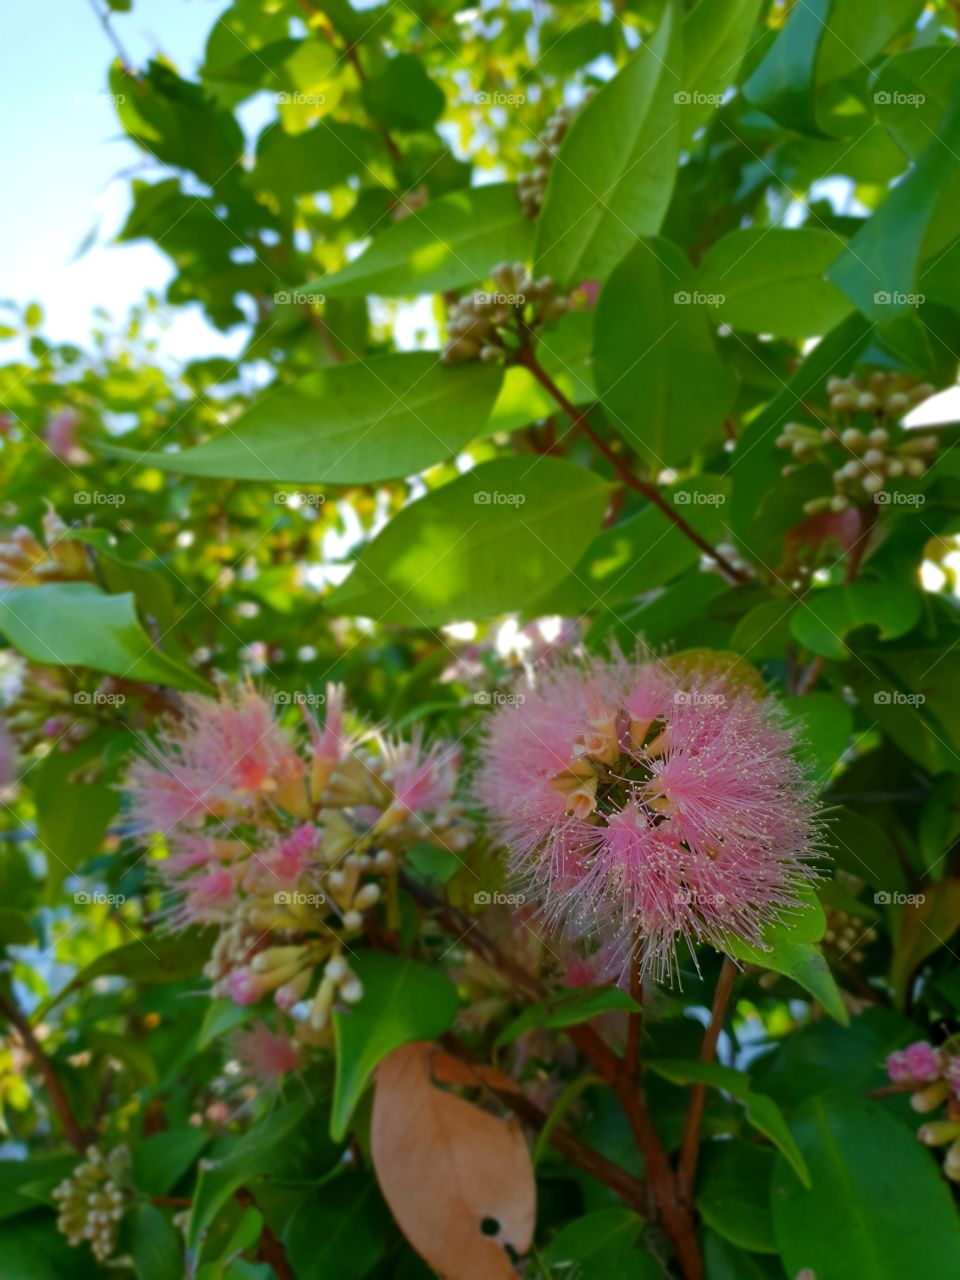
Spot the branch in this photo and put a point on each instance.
(690, 1146)
(71, 1126)
(528, 359)
(270, 1249)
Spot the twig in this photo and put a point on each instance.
(71, 1126)
(578, 417)
(690, 1146)
(270, 1248)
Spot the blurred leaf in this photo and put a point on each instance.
(566, 1009)
(602, 1245)
(155, 1244)
(403, 96)
(823, 619)
(733, 1194)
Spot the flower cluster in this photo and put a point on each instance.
(92, 1201)
(25, 561)
(532, 186)
(286, 848)
(642, 801)
(863, 448)
(516, 300)
(934, 1075)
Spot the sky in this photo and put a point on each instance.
(63, 149)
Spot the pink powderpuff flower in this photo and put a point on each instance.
(421, 779)
(919, 1061)
(266, 1056)
(639, 802)
(222, 759)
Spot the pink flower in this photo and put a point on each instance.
(638, 801)
(919, 1061)
(265, 1055)
(61, 437)
(421, 779)
(223, 758)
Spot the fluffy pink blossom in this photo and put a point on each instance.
(61, 437)
(639, 801)
(266, 1056)
(919, 1061)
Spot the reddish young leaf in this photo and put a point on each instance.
(458, 1180)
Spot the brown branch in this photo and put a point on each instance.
(578, 417)
(71, 1126)
(690, 1146)
(270, 1248)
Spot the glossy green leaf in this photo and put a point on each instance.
(723, 1261)
(871, 1184)
(801, 961)
(772, 280)
(341, 1229)
(75, 624)
(567, 1009)
(659, 376)
(162, 1159)
(715, 39)
(454, 241)
(292, 164)
(602, 1245)
(486, 543)
(359, 423)
(824, 619)
(402, 1001)
(762, 1112)
(155, 1244)
(733, 1195)
(613, 178)
(403, 96)
(826, 725)
(73, 813)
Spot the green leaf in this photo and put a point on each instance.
(911, 92)
(724, 1262)
(359, 423)
(762, 1112)
(75, 624)
(220, 1017)
(486, 543)
(403, 96)
(150, 960)
(734, 1193)
(823, 619)
(801, 961)
(454, 241)
(772, 280)
(613, 178)
(162, 1159)
(155, 1244)
(402, 1001)
(341, 1229)
(715, 39)
(566, 1009)
(602, 1245)
(15, 928)
(293, 164)
(657, 371)
(72, 817)
(878, 271)
(826, 723)
(641, 552)
(872, 1183)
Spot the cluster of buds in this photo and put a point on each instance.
(477, 323)
(532, 186)
(288, 846)
(91, 1201)
(846, 936)
(933, 1074)
(25, 561)
(864, 447)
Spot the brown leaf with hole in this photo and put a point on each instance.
(446, 1168)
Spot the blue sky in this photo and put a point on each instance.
(63, 150)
